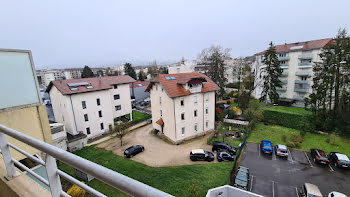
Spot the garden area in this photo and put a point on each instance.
(191, 180)
(138, 116)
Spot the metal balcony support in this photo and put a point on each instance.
(5, 151)
(52, 175)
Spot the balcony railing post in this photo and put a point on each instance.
(52, 175)
(10, 167)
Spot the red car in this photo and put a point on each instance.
(319, 156)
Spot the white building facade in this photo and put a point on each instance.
(296, 60)
(183, 105)
(90, 105)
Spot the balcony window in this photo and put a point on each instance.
(98, 101)
(183, 116)
(118, 107)
(86, 118)
(116, 96)
(102, 126)
(83, 104)
(100, 113)
(88, 131)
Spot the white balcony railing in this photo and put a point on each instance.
(112, 178)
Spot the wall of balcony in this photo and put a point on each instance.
(305, 65)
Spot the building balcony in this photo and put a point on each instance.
(303, 74)
(282, 96)
(285, 74)
(284, 65)
(286, 58)
(284, 81)
(304, 90)
(302, 82)
(305, 65)
(298, 98)
(281, 89)
(305, 57)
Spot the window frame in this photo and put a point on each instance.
(100, 114)
(183, 116)
(88, 132)
(195, 113)
(98, 101)
(83, 104)
(116, 96)
(86, 117)
(183, 131)
(120, 107)
(102, 126)
(115, 86)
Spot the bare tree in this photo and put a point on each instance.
(119, 130)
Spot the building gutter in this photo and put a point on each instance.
(71, 103)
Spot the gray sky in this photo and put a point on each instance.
(69, 33)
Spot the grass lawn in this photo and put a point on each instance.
(290, 110)
(173, 180)
(230, 141)
(137, 116)
(274, 133)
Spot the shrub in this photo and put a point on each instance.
(291, 144)
(301, 122)
(296, 138)
(297, 144)
(233, 85)
(254, 104)
(284, 138)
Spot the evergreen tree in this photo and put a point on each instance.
(87, 72)
(129, 70)
(271, 74)
(213, 59)
(142, 75)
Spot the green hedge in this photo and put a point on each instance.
(301, 122)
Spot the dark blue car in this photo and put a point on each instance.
(266, 147)
(224, 156)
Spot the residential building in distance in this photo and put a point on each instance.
(296, 61)
(182, 67)
(183, 105)
(87, 106)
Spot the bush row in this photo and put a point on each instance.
(295, 121)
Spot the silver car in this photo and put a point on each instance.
(281, 150)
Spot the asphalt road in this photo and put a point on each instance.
(283, 177)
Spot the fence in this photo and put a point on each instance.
(112, 178)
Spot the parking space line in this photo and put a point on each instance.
(273, 189)
(290, 155)
(251, 183)
(259, 149)
(296, 191)
(331, 167)
(308, 159)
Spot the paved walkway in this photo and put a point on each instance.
(157, 152)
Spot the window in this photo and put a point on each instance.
(207, 97)
(206, 124)
(206, 111)
(195, 99)
(195, 113)
(178, 70)
(183, 116)
(182, 102)
(102, 127)
(162, 90)
(100, 113)
(282, 62)
(160, 100)
(116, 97)
(86, 117)
(161, 113)
(83, 104)
(304, 78)
(118, 107)
(183, 131)
(115, 86)
(98, 101)
(88, 130)
(195, 127)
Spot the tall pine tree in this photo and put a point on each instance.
(87, 72)
(129, 70)
(271, 74)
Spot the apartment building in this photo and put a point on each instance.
(296, 61)
(89, 105)
(183, 105)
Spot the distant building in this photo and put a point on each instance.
(59, 135)
(183, 67)
(137, 89)
(89, 105)
(296, 61)
(183, 105)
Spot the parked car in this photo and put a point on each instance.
(266, 147)
(222, 146)
(309, 189)
(319, 156)
(281, 150)
(224, 156)
(242, 178)
(340, 160)
(336, 194)
(133, 150)
(201, 155)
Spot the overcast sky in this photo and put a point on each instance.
(68, 33)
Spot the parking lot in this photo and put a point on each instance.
(274, 176)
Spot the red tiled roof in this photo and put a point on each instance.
(139, 84)
(160, 122)
(308, 45)
(97, 83)
(174, 87)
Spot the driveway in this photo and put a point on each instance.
(158, 153)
